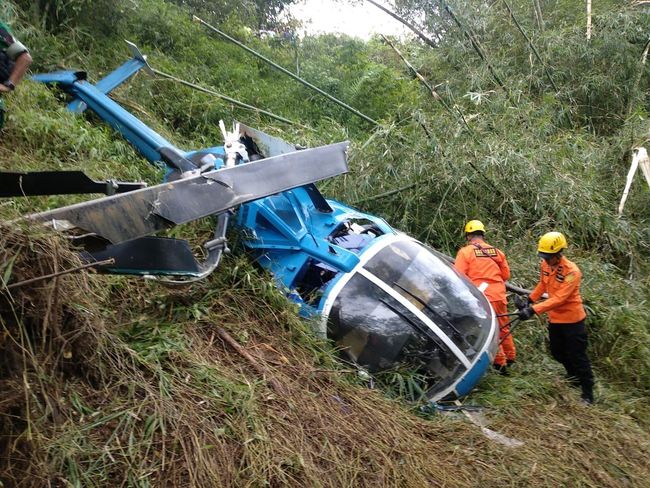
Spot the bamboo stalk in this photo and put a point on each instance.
(588, 20)
(60, 273)
(286, 71)
(227, 98)
(477, 47)
(385, 194)
(228, 339)
(422, 80)
(419, 33)
(637, 80)
(538, 15)
(531, 45)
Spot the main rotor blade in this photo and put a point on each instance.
(127, 216)
(18, 184)
(268, 145)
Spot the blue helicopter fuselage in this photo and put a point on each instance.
(384, 298)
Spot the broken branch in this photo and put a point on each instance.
(60, 273)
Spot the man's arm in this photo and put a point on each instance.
(19, 54)
(569, 285)
(20, 68)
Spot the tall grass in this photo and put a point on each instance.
(113, 381)
(145, 393)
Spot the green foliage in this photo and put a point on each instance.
(594, 77)
(165, 402)
(532, 159)
(260, 14)
(98, 16)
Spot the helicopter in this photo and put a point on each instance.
(383, 298)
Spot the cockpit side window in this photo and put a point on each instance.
(312, 280)
(355, 234)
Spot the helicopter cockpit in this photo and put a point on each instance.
(386, 300)
(405, 305)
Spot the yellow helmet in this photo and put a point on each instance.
(474, 226)
(551, 243)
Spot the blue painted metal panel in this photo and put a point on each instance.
(107, 84)
(120, 75)
(472, 376)
(63, 77)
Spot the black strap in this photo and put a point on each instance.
(482, 249)
(6, 36)
(175, 160)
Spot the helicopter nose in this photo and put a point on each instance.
(473, 375)
(406, 307)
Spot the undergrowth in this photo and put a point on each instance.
(149, 394)
(110, 381)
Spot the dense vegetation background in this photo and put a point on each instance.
(524, 145)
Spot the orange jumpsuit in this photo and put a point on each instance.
(566, 329)
(483, 263)
(562, 283)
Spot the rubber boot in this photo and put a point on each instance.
(587, 396)
(502, 369)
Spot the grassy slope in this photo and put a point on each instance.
(147, 394)
(113, 381)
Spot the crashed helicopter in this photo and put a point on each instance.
(385, 299)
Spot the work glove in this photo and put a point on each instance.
(521, 302)
(526, 313)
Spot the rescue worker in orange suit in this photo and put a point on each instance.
(560, 279)
(487, 267)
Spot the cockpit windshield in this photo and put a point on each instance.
(374, 330)
(435, 288)
(408, 306)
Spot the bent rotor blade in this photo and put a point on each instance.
(127, 216)
(258, 142)
(19, 184)
(266, 144)
(148, 255)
